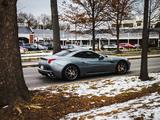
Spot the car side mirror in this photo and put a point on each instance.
(101, 57)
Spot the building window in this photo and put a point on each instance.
(128, 25)
(139, 23)
(113, 25)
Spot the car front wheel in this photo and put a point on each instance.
(70, 72)
(122, 67)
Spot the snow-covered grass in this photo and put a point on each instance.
(143, 108)
(146, 108)
(111, 87)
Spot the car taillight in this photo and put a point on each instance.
(50, 60)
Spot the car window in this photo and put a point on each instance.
(64, 53)
(87, 54)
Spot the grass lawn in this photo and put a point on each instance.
(116, 98)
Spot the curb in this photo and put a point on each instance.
(24, 65)
(139, 57)
(30, 65)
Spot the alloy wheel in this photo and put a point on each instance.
(121, 68)
(71, 72)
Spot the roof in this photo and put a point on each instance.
(65, 35)
(24, 30)
(42, 31)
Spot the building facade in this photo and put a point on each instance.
(130, 32)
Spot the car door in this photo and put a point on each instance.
(101, 64)
(91, 62)
(106, 65)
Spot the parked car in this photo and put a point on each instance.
(49, 46)
(22, 49)
(137, 45)
(110, 46)
(27, 46)
(73, 46)
(34, 47)
(87, 47)
(71, 64)
(30, 47)
(126, 45)
(65, 47)
(39, 46)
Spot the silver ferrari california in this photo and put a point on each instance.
(71, 64)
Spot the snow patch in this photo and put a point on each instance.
(112, 87)
(147, 107)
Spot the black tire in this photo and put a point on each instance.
(122, 67)
(70, 72)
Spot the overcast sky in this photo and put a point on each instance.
(36, 7)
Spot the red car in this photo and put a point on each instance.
(126, 45)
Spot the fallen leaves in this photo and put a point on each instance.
(18, 109)
(46, 105)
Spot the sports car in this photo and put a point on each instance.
(72, 64)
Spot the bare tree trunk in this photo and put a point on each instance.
(55, 26)
(144, 61)
(149, 22)
(117, 34)
(93, 35)
(12, 84)
(118, 27)
(93, 26)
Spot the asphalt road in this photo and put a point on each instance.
(33, 79)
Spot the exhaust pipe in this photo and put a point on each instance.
(51, 75)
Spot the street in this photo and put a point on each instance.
(33, 79)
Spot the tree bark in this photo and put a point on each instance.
(93, 25)
(55, 26)
(149, 21)
(12, 84)
(118, 26)
(117, 33)
(144, 61)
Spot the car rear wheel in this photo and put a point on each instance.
(122, 67)
(70, 72)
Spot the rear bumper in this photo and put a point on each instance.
(49, 71)
(44, 71)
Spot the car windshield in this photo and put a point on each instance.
(64, 53)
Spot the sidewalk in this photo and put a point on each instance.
(35, 63)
